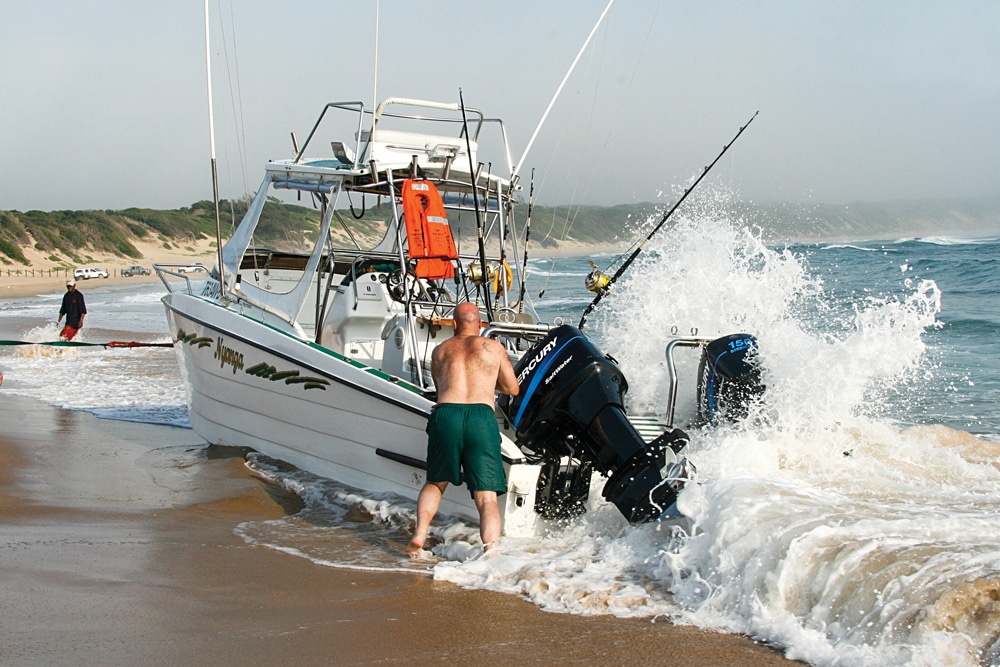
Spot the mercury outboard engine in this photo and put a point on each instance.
(571, 415)
(728, 380)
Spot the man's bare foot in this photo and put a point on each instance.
(414, 549)
(491, 549)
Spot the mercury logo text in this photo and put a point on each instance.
(536, 360)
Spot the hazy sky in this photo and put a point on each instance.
(103, 103)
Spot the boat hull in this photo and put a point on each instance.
(252, 384)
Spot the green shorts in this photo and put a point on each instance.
(465, 437)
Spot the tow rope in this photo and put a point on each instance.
(69, 343)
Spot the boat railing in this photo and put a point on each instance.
(363, 139)
(515, 330)
(425, 104)
(177, 271)
(356, 107)
(672, 370)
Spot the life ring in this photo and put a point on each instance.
(504, 268)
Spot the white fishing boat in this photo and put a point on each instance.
(321, 358)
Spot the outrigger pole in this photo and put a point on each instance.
(484, 283)
(215, 173)
(607, 288)
(520, 163)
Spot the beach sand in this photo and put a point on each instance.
(118, 548)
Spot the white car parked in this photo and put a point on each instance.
(88, 273)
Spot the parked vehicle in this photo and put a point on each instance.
(135, 271)
(88, 273)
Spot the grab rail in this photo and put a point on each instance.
(175, 270)
(672, 371)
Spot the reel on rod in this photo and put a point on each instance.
(596, 281)
(498, 274)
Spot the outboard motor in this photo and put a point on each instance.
(570, 413)
(728, 380)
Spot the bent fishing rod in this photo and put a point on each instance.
(607, 287)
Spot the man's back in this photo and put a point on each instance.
(468, 368)
(465, 370)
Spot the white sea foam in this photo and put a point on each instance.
(955, 240)
(840, 246)
(134, 384)
(952, 240)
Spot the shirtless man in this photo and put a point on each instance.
(462, 429)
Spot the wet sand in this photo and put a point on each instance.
(118, 549)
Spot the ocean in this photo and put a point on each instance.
(851, 519)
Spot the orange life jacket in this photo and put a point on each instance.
(428, 233)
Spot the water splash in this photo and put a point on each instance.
(821, 524)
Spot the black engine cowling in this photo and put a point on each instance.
(728, 379)
(571, 413)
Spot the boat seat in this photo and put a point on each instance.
(355, 319)
(343, 153)
(396, 147)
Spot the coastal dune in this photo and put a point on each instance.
(16, 280)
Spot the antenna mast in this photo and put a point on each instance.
(375, 76)
(215, 173)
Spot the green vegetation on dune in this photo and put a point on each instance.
(596, 225)
(70, 237)
(66, 233)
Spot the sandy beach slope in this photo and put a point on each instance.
(118, 549)
(41, 277)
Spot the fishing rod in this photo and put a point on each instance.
(484, 284)
(605, 288)
(527, 235)
(70, 343)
